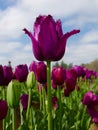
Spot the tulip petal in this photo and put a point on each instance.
(68, 34)
(62, 44)
(35, 46)
(59, 29)
(48, 37)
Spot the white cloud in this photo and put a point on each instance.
(9, 47)
(82, 53)
(91, 36)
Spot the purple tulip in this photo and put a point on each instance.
(71, 73)
(54, 86)
(90, 74)
(70, 86)
(1, 76)
(24, 101)
(54, 102)
(91, 101)
(80, 71)
(3, 109)
(48, 40)
(40, 71)
(58, 75)
(21, 72)
(6, 75)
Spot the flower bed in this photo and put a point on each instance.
(39, 97)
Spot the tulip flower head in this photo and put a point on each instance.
(70, 86)
(24, 101)
(40, 71)
(80, 71)
(54, 102)
(58, 75)
(6, 75)
(71, 73)
(48, 40)
(1, 75)
(91, 101)
(3, 109)
(21, 72)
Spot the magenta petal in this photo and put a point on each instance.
(59, 28)
(27, 32)
(48, 38)
(92, 111)
(87, 99)
(35, 46)
(68, 34)
(62, 46)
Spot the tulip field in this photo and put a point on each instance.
(42, 97)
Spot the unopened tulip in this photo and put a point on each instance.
(58, 75)
(13, 93)
(21, 72)
(40, 71)
(3, 109)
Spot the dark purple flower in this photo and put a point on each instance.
(58, 75)
(1, 76)
(91, 101)
(6, 75)
(24, 101)
(54, 86)
(21, 72)
(48, 40)
(3, 109)
(71, 73)
(40, 71)
(66, 92)
(70, 86)
(80, 71)
(54, 102)
(89, 74)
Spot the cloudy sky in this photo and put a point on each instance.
(78, 14)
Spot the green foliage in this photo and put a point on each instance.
(63, 64)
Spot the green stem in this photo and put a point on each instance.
(83, 116)
(60, 106)
(4, 98)
(31, 119)
(29, 103)
(13, 119)
(43, 94)
(49, 95)
(21, 116)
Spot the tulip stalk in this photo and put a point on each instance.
(29, 103)
(4, 97)
(49, 95)
(60, 106)
(43, 94)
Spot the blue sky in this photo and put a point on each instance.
(18, 14)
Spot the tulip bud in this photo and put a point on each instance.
(3, 109)
(24, 101)
(13, 93)
(31, 80)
